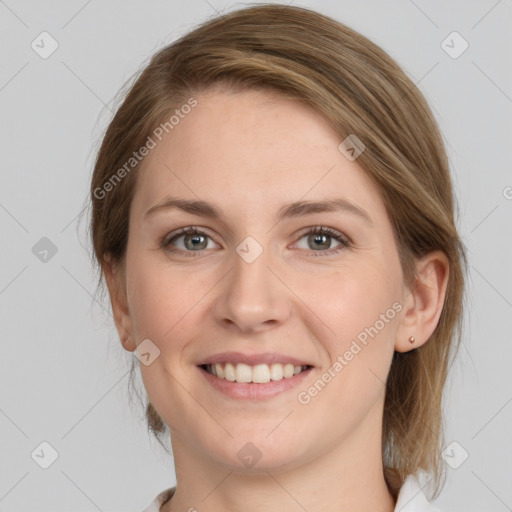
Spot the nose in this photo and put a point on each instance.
(252, 297)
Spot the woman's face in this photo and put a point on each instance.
(257, 287)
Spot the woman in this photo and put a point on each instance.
(274, 218)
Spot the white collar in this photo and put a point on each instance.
(412, 499)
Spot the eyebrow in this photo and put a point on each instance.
(296, 209)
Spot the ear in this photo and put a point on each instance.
(115, 279)
(424, 303)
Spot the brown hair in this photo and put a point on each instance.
(360, 90)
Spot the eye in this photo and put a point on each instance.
(195, 239)
(321, 238)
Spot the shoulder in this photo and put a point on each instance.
(411, 497)
(162, 498)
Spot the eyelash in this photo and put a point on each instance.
(193, 230)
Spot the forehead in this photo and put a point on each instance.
(252, 149)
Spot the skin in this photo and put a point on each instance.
(250, 153)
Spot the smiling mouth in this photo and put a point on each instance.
(257, 374)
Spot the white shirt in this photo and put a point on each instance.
(410, 498)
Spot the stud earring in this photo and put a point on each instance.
(411, 339)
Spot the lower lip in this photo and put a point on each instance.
(251, 390)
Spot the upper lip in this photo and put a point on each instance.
(253, 359)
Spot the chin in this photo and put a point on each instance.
(246, 454)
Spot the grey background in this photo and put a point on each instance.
(64, 373)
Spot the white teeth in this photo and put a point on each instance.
(219, 372)
(243, 373)
(260, 373)
(288, 371)
(276, 371)
(229, 372)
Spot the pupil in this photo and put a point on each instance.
(319, 238)
(195, 238)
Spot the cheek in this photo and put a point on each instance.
(361, 308)
(355, 299)
(165, 302)
(156, 300)
(362, 311)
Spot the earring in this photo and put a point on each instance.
(411, 339)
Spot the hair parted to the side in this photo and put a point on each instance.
(359, 89)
